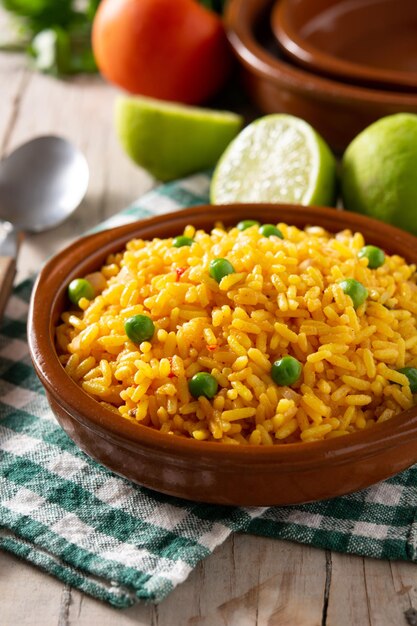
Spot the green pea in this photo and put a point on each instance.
(203, 384)
(268, 230)
(244, 224)
(286, 371)
(411, 373)
(181, 241)
(375, 256)
(353, 288)
(139, 328)
(80, 288)
(219, 268)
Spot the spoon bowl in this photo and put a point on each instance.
(42, 183)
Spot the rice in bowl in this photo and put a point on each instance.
(284, 297)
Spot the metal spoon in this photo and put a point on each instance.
(41, 183)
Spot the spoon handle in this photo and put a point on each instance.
(10, 240)
(7, 274)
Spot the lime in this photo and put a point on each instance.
(379, 171)
(277, 158)
(173, 140)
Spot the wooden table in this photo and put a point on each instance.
(248, 580)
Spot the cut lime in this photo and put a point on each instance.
(379, 171)
(277, 158)
(173, 140)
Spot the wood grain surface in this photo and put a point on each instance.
(248, 580)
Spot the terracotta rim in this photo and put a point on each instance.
(89, 252)
(303, 51)
(240, 18)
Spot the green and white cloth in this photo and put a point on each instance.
(122, 543)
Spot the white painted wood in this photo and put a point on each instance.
(347, 603)
(80, 109)
(28, 597)
(370, 592)
(405, 582)
(13, 77)
(263, 581)
(247, 581)
(385, 603)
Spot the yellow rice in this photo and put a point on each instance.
(284, 298)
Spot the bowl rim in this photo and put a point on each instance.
(61, 268)
(240, 18)
(304, 52)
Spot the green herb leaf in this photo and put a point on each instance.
(55, 33)
(51, 51)
(42, 14)
(92, 8)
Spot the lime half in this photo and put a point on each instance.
(277, 158)
(173, 140)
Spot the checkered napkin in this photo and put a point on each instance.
(123, 543)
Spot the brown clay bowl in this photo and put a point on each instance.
(337, 110)
(204, 471)
(372, 42)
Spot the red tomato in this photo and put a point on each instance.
(168, 49)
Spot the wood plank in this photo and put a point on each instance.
(80, 109)
(247, 581)
(347, 599)
(14, 74)
(29, 597)
(386, 604)
(404, 577)
(253, 580)
(370, 592)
